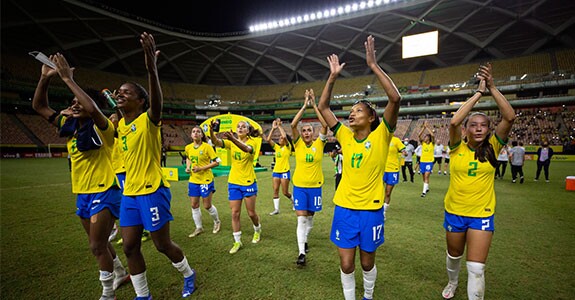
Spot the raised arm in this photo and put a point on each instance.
(318, 113)
(40, 99)
(269, 137)
(229, 135)
(507, 113)
(335, 68)
(155, 90)
(461, 114)
(297, 117)
(392, 108)
(280, 128)
(215, 140)
(89, 105)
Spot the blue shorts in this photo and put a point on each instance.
(425, 167)
(203, 190)
(455, 223)
(88, 205)
(351, 228)
(239, 192)
(284, 175)
(307, 198)
(121, 180)
(391, 178)
(151, 210)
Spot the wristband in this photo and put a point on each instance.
(478, 91)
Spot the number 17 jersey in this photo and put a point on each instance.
(361, 185)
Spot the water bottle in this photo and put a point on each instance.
(110, 98)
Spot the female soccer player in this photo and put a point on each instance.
(308, 175)
(201, 158)
(281, 172)
(90, 140)
(470, 198)
(147, 197)
(391, 174)
(358, 214)
(426, 160)
(242, 178)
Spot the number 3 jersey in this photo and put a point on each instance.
(361, 185)
(141, 144)
(471, 186)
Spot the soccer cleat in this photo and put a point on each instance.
(546, 180)
(121, 279)
(113, 234)
(306, 248)
(217, 227)
(236, 247)
(522, 180)
(189, 285)
(197, 232)
(146, 236)
(449, 290)
(275, 212)
(422, 195)
(256, 237)
(120, 241)
(301, 260)
(149, 297)
(444, 172)
(535, 179)
(514, 181)
(439, 173)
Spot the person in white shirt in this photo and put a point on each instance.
(438, 156)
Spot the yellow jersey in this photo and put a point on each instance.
(117, 157)
(393, 154)
(141, 145)
(92, 170)
(308, 171)
(282, 155)
(242, 167)
(361, 185)
(200, 156)
(427, 152)
(471, 190)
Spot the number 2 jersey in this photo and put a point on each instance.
(471, 190)
(361, 185)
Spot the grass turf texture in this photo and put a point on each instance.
(45, 254)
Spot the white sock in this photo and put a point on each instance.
(277, 204)
(140, 284)
(425, 187)
(197, 216)
(213, 211)
(258, 228)
(119, 269)
(453, 266)
(369, 282)
(184, 267)
(348, 285)
(308, 227)
(385, 206)
(107, 280)
(237, 236)
(475, 280)
(301, 229)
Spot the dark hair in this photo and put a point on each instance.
(371, 107)
(253, 132)
(204, 137)
(142, 93)
(484, 151)
(514, 143)
(290, 143)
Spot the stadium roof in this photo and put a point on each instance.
(101, 37)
